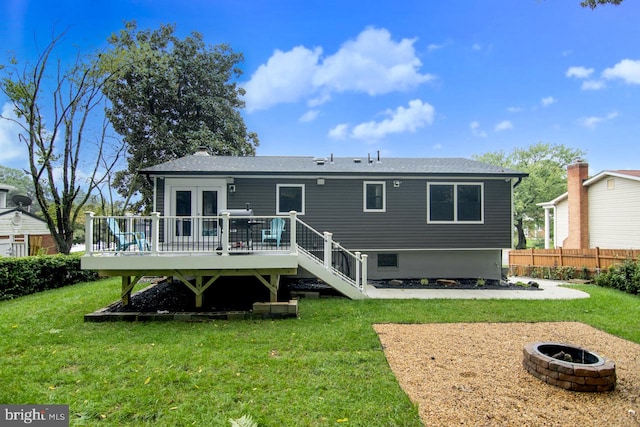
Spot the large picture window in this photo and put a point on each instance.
(374, 196)
(455, 203)
(289, 197)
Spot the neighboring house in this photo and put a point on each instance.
(412, 217)
(22, 233)
(602, 211)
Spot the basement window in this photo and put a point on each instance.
(387, 260)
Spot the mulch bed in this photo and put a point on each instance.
(453, 284)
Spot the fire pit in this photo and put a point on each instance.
(569, 367)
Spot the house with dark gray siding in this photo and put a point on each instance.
(404, 217)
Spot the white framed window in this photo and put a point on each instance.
(455, 202)
(374, 196)
(289, 197)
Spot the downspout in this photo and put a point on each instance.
(517, 182)
(512, 211)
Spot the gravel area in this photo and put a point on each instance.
(471, 374)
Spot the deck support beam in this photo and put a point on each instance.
(128, 282)
(269, 277)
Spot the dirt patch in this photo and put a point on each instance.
(472, 374)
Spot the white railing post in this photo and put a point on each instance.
(328, 245)
(358, 266)
(364, 271)
(225, 233)
(88, 232)
(293, 239)
(155, 232)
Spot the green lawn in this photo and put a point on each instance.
(325, 368)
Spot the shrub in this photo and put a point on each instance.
(624, 277)
(27, 275)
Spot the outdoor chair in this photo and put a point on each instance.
(275, 232)
(125, 239)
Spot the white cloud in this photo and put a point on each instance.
(339, 132)
(548, 101)
(593, 85)
(10, 146)
(476, 46)
(309, 116)
(373, 63)
(627, 70)
(514, 109)
(437, 147)
(403, 119)
(286, 77)
(579, 72)
(434, 46)
(592, 122)
(503, 125)
(476, 131)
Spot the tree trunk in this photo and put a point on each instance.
(522, 239)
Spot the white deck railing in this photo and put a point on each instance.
(219, 235)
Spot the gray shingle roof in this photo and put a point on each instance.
(199, 164)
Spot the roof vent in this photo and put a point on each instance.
(202, 151)
(319, 161)
(357, 161)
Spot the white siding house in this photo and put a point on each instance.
(613, 222)
(20, 231)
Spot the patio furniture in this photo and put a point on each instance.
(125, 239)
(275, 232)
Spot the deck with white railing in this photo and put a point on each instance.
(204, 247)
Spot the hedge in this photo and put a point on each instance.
(624, 277)
(27, 275)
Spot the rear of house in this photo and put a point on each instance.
(415, 218)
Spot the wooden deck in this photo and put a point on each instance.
(204, 254)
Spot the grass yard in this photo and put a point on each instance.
(325, 368)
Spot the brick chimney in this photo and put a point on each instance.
(578, 237)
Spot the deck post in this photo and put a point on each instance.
(364, 270)
(88, 232)
(126, 290)
(155, 232)
(328, 245)
(200, 291)
(293, 243)
(358, 267)
(225, 233)
(275, 283)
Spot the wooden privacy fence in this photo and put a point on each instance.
(594, 260)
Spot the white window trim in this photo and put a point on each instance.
(364, 196)
(455, 202)
(278, 198)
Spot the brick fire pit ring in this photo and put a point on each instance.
(569, 367)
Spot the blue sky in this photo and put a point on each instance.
(408, 78)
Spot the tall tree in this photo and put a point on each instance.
(169, 97)
(595, 3)
(547, 168)
(54, 105)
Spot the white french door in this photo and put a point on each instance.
(189, 202)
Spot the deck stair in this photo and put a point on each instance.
(339, 268)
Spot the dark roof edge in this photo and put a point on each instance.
(329, 174)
